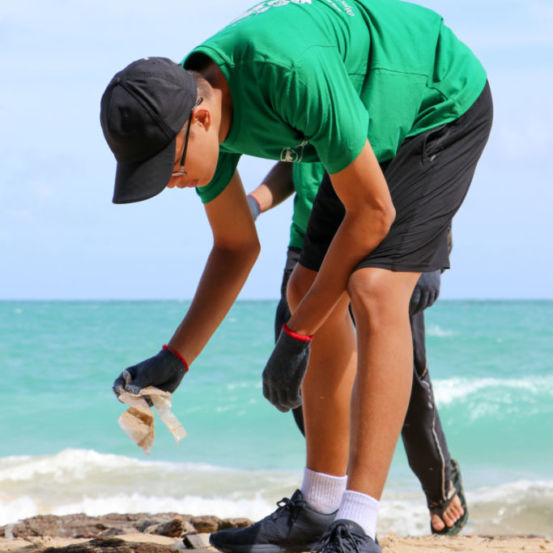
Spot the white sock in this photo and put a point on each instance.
(360, 508)
(322, 492)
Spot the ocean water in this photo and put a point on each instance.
(62, 451)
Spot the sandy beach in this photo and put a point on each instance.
(139, 543)
(168, 532)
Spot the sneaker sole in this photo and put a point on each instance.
(261, 548)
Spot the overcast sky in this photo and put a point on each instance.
(61, 237)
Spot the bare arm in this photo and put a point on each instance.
(234, 251)
(276, 186)
(362, 188)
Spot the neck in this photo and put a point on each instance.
(213, 75)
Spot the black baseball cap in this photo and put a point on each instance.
(142, 110)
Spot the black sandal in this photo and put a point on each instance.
(439, 508)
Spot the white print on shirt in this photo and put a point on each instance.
(264, 6)
(347, 8)
(267, 5)
(295, 153)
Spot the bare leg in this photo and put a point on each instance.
(325, 455)
(380, 301)
(328, 382)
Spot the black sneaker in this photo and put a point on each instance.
(346, 536)
(293, 527)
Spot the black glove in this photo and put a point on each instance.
(255, 208)
(285, 370)
(426, 292)
(164, 371)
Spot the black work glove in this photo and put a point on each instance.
(164, 371)
(255, 208)
(426, 292)
(285, 370)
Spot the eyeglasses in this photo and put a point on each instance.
(181, 170)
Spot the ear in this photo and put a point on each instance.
(202, 116)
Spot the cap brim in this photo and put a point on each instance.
(139, 181)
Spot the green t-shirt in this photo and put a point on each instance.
(311, 80)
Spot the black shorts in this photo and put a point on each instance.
(428, 180)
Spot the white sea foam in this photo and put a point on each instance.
(79, 463)
(437, 332)
(460, 389)
(521, 507)
(514, 508)
(93, 483)
(70, 463)
(12, 510)
(27, 506)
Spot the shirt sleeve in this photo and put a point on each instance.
(226, 166)
(321, 102)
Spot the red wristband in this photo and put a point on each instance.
(295, 335)
(175, 352)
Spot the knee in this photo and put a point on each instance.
(298, 285)
(372, 300)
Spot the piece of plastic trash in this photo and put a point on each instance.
(138, 421)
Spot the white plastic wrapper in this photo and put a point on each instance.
(138, 420)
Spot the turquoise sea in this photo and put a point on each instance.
(62, 451)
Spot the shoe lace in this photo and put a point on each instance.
(292, 506)
(339, 540)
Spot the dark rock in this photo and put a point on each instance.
(105, 527)
(173, 528)
(187, 526)
(205, 524)
(68, 526)
(100, 526)
(143, 525)
(83, 526)
(44, 525)
(234, 523)
(111, 532)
